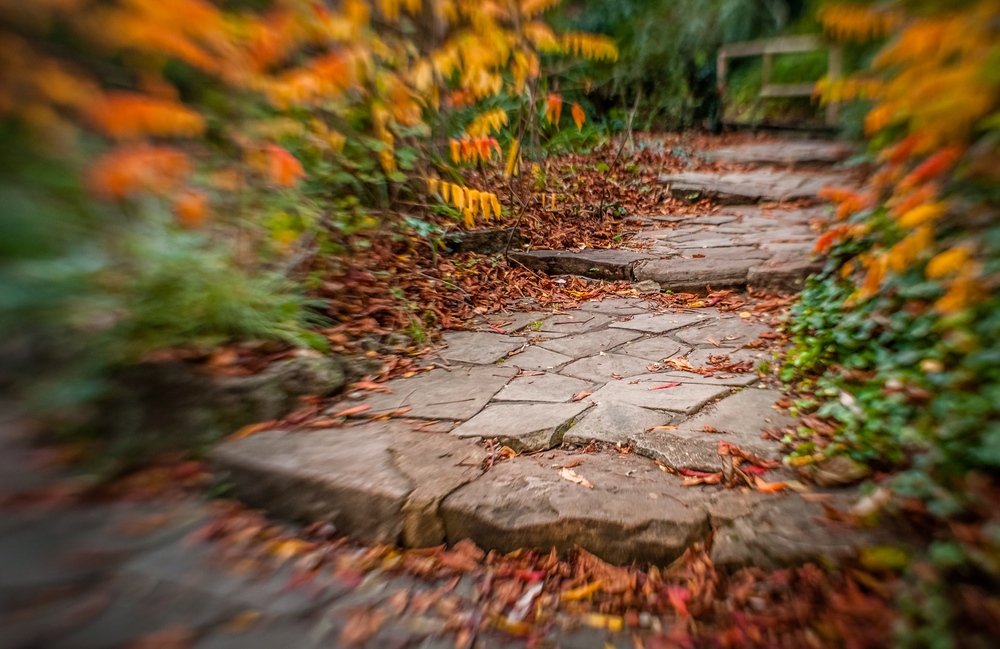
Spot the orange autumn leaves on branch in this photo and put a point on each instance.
(932, 90)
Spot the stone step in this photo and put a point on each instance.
(590, 262)
(384, 483)
(788, 153)
(748, 187)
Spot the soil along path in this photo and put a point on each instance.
(668, 392)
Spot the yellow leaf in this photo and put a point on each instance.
(496, 204)
(432, 185)
(947, 262)
(445, 191)
(456, 151)
(581, 592)
(458, 196)
(487, 206)
(470, 219)
(921, 215)
(511, 161)
(579, 116)
(473, 200)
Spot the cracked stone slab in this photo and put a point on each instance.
(441, 394)
(658, 323)
(744, 417)
(576, 322)
(695, 275)
(748, 187)
(615, 308)
(678, 452)
(590, 343)
(725, 331)
(699, 357)
(635, 512)
(379, 481)
(599, 264)
(479, 348)
(512, 322)
(548, 388)
(600, 368)
(685, 398)
(734, 252)
(653, 349)
(718, 378)
(525, 427)
(537, 359)
(614, 422)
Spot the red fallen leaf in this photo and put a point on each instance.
(353, 411)
(769, 487)
(725, 448)
(497, 329)
(712, 341)
(530, 575)
(770, 335)
(710, 429)
(753, 470)
(665, 386)
(583, 395)
(371, 386)
(697, 256)
(678, 598)
(692, 472)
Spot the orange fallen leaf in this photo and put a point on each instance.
(664, 386)
(661, 428)
(252, 429)
(569, 474)
(371, 386)
(769, 487)
(361, 627)
(712, 341)
(581, 396)
(353, 411)
(581, 592)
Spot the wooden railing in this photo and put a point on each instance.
(783, 45)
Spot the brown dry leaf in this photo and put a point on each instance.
(665, 386)
(569, 474)
(710, 429)
(769, 487)
(692, 480)
(362, 626)
(252, 429)
(712, 341)
(583, 395)
(577, 461)
(371, 386)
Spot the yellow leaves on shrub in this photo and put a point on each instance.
(468, 201)
(478, 149)
(947, 262)
(923, 214)
(591, 46)
(542, 37)
(533, 7)
(511, 160)
(125, 115)
(486, 123)
(319, 80)
(907, 251)
(855, 22)
(191, 209)
(579, 116)
(963, 291)
(132, 170)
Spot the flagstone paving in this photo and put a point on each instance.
(548, 384)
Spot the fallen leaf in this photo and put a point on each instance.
(362, 626)
(353, 411)
(661, 428)
(581, 592)
(371, 386)
(665, 386)
(678, 598)
(569, 474)
(581, 396)
(175, 637)
(252, 429)
(690, 481)
(769, 487)
(498, 329)
(745, 314)
(569, 465)
(712, 341)
(710, 429)
(601, 621)
(243, 621)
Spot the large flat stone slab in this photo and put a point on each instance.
(700, 357)
(724, 331)
(441, 394)
(600, 368)
(547, 388)
(575, 322)
(599, 264)
(616, 308)
(478, 347)
(367, 480)
(717, 378)
(657, 323)
(591, 343)
(678, 451)
(635, 512)
(743, 416)
(525, 427)
(537, 359)
(748, 187)
(614, 422)
(785, 273)
(696, 275)
(685, 398)
(653, 349)
(783, 153)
